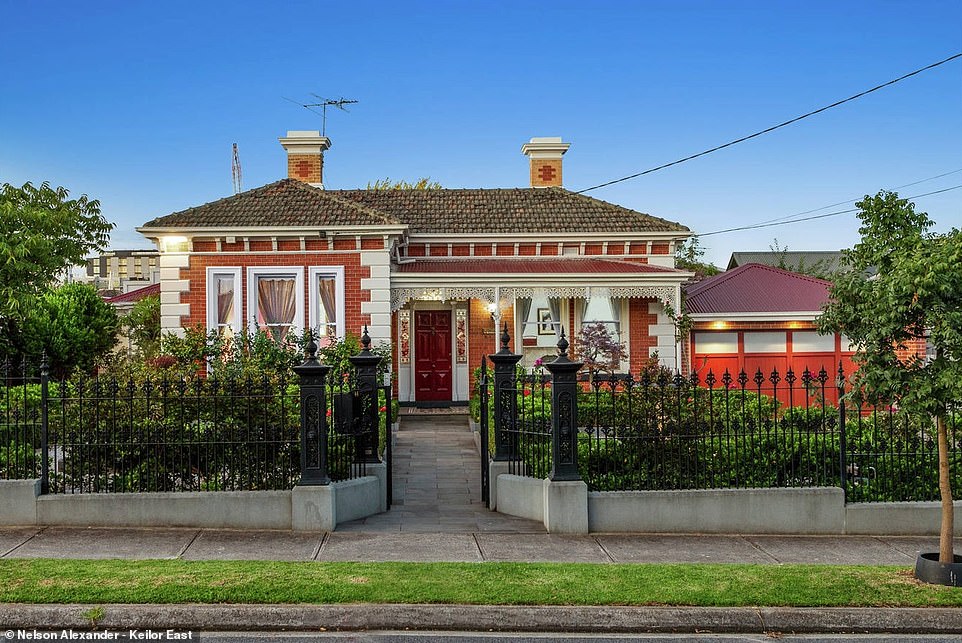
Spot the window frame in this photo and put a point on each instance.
(237, 323)
(314, 300)
(256, 272)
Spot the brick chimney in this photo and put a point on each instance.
(544, 154)
(305, 156)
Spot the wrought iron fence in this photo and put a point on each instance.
(660, 430)
(196, 433)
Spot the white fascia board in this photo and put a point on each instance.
(804, 315)
(266, 231)
(416, 237)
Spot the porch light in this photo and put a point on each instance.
(719, 325)
(493, 309)
(174, 244)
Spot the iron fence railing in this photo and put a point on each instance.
(194, 433)
(660, 430)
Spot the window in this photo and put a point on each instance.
(764, 342)
(223, 300)
(809, 342)
(716, 343)
(275, 299)
(327, 303)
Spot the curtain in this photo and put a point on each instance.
(276, 305)
(554, 305)
(225, 300)
(616, 316)
(328, 321)
(523, 306)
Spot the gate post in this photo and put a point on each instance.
(505, 399)
(564, 414)
(44, 423)
(313, 376)
(366, 364)
(842, 446)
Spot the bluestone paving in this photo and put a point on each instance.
(90, 542)
(253, 545)
(383, 547)
(537, 548)
(681, 548)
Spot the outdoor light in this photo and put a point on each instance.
(493, 308)
(174, 244)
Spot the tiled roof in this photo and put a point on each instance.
(570, 265)
(287, 202)
(826, 261)
(134, 295)
(515, 210)
(467, 211)
(755, 288)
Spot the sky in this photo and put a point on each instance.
(138, 104)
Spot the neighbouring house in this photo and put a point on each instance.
(124, 302)
(433, 272)
(819, 262)
(757, 317)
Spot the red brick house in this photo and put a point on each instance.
(429, 271)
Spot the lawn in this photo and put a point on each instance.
(178, 581)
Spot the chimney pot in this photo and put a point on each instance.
(305, 155)
(544, 155)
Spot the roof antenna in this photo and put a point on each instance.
(235, 170)
(324, 104)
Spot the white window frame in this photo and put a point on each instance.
(255, 272)
(236, 323)
(314, 301)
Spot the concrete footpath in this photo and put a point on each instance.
(205, 544)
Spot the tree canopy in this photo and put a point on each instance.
(42, 234)
(424, 183)
(915, 297)
(690, 256)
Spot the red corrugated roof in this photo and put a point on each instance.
(756, 288)
(134, 295)
(528, 266)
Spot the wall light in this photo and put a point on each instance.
(174, 244)
(719, 325)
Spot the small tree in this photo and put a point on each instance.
(424, 183)
(73, 325)
(691, 256)
(916, 296)
(599, 351)
(142, 326)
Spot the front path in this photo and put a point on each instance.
(437, 483)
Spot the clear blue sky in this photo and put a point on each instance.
(138, 103)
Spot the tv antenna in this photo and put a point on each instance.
(324, 104)
(235, 170)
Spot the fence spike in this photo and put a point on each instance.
(563, 343)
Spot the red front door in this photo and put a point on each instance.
(432, 355)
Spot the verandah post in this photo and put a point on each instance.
(313, 376)
(505, 399)
(564, 414)
(366, 364)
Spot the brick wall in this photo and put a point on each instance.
(641, 343)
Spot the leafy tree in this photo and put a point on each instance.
(690, 256)
(916, 295)
(599, 351)
(424, 183)
(820, 269)
(73, 325)
(42, 234)
(142, 325)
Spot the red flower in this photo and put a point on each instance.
(527, 392)
(382, 409)
(329, 413)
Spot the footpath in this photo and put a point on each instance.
(438, 517)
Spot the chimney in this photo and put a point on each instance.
(305, 156)
(544, 154)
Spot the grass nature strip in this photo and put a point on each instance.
(178, 581)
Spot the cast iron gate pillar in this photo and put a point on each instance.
(505, 400)
(365, 364)
(313, 376)
(564, 414)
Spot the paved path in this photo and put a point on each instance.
(437, 483)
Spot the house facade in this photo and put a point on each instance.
(432, 272)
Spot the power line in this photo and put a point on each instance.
(835, 205)
(817, 216)
(773, 128)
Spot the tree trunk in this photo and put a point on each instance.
(946, 555)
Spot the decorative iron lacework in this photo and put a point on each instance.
(461, 334)
(404, 336)
(400, 296)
